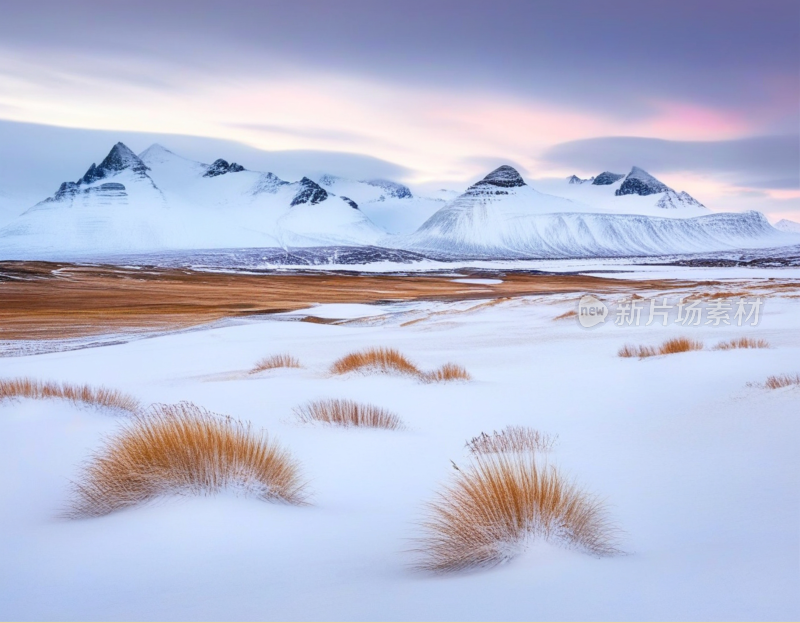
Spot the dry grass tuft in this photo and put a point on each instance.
(276, 361)
(185, 450)
(76, 394)
(512, 439)
(566, 315)
(491, 509)
(448, 372)
(679, 345)
(782, 380)
(670, 347)
(630, 350)
(742, 342)
(391, 361)
(381, 360)
(348, 413)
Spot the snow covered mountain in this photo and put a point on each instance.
(390, 205)
(786, 225)
(638, 192)
(159, 200)
(501, 216)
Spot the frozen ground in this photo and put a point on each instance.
(700, 471)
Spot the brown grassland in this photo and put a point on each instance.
(348, 413)
(77, 394)
(43, 300)
(182, 449)
(490, 509)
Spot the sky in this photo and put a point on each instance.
(705, 95)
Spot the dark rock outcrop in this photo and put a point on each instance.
(349, 202)
(310, 192)
(118, 159)
(640, 182)
(494, 183)
(221, 167)
(606, 178)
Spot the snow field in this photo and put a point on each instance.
(698, 470)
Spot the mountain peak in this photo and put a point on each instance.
(640, 182)
(310, 192)
(155, 149)
(606, 178)
(221, 167)
(118, 159)
(504, 176)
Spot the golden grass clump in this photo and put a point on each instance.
(276, 361)
(742, 342)
(77, 394)
(512, 439)
(679, 345)
(380, 360)
(782, 380)
(182, 449)
(491, 509)
(670, 347)
(348, 413)
(391, 361)
(448, 372)
(566, 315)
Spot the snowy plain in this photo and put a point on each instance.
(700, 472)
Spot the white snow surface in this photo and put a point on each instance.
(700, 472)
(786, 225)
(396, 215)
(527, 223)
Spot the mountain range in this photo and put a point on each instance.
(158, 200)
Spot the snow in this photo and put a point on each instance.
(701, 473)
(486, 282)
(786, 225)
(378, 200)
(479, 227)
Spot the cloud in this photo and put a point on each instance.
(771, 162)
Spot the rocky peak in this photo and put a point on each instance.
(310, 192)
(499, 179)
(606, 178)
(221, 167)
(574, 179)
(118, 159)
(640, 182)
(505, 177)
